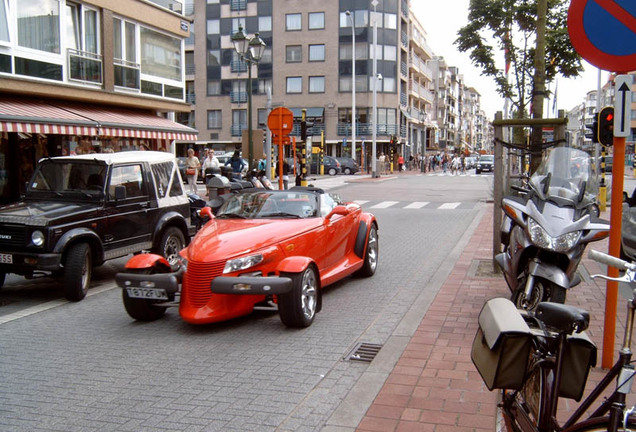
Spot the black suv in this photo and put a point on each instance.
(79, 211)
(485, 163)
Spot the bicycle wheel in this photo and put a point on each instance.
(599, 424)
(527, 405)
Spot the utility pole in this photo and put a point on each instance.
(538, 93)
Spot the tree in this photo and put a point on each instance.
(509, 27)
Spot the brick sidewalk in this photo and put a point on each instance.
(434, 385)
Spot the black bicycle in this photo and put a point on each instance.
(536, 358)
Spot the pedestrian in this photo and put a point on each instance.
(455, 165)
(400, 163)
(192, 169)
(382, 160)
(262, 164)
(236, 162)
(210, 164)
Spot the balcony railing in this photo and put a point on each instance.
(238, 66)
(190, 69)
(127, 74)
(237, 129)
(238, 97)
(238, 5)
(191, 98)
(362, 129)
(84, 66)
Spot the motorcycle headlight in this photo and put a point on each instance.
(542, 239)
(242, 263)
(37, 238)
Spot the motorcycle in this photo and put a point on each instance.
(547, 227)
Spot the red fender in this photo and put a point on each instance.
(294, 264)
(147, 260)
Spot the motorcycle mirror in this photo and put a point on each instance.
(582, 192)
(546, 183)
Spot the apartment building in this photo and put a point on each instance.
(308, 64)
(87, 76)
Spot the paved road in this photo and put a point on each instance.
(88, 366)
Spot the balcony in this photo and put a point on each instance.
(366, 129)
(127, 74)
(84, 66)
(238, 66)
(238, 5)
(190, 69)
(237, 129)
(238, 97)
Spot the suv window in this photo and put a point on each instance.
(130, 177)
(164, 173)
(65, 177)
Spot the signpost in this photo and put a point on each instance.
(280, 121)
(603, 32)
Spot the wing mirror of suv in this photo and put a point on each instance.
(120, 193)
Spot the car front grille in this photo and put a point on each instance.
(12, 236)
(198, 282)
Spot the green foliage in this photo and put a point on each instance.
(496, 27)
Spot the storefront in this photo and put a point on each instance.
(31, 129)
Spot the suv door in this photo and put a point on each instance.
(130, 219)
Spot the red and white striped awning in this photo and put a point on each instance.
(69, 118)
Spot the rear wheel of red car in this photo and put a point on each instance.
(78, 267)
(370, 255)
(298, 307)
(142, 309)
(171, 244)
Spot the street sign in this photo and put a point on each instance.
(623, 105)
(280, 121)
(603, 32)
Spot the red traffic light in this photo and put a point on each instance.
(606, 126)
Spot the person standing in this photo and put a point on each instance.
(382, 161)
(236, 162)
(400, 163)
(192, 169)
(210, 163)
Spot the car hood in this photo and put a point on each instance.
(43, 213)
(221, 239)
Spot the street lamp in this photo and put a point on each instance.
(251, 51)
(376, 79)
(353, 85)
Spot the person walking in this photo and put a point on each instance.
(210, 163)
(382, 162)
(400, 163)
(236, 162)
(192, 170)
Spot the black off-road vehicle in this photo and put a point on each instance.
(80, 211)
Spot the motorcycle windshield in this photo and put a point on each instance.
(566, 174)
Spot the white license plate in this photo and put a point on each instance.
(147, 293)
(6, 259)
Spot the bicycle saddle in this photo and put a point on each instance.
(564, 318)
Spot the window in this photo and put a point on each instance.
(4, 24)
(130, 177)
(294, 85)
(264, 84)
(82, 39)
(293, 22)
(316, 53)
(214, 87)
(390, 53)
(214, 57)
(160, 55)
(39, 25)
(389, 84)
(293, 53)
(215, 119)
(316, 20)
(264, 23)
(390, 21)
(213, 27)
(236, 22)
(127, 70)
(316, 84)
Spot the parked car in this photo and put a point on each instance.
(348, 165)
(470, 162)
(263, 247)
(485, 163)
(331, 164)
(80, 211)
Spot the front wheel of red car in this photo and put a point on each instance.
(371, 254)
(142, 309)
(298, 307)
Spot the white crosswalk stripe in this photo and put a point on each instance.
(361, 202)
(449, 206)
(384, 204)
(416, 205)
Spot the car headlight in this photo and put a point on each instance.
(37, 238)
(542, 239)
(242, 263)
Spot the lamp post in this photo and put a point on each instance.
(353, 84)
(376, 80)
(251, 51)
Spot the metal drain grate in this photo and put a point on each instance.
(364, 352)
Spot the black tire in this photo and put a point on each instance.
(142, 309)
(3, 276)
(78, 268)
(347, 171)
(529, 398)
(370, 254)
(332, 171)
(172, 241)
(600, 424)
(543, 290)
(298, 307)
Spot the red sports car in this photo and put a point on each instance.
(263, 247)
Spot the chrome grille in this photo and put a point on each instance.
(197, 282)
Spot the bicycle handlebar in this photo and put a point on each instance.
(610, 260)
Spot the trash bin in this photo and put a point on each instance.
(217, 185)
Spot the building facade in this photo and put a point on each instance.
(88, 76)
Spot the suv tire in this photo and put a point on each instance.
(172, 241)
(78, 268)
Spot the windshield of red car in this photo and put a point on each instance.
(270, 204)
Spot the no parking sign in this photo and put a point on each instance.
(604, 33)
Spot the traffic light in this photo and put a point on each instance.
(606, 126)
(592, 134)
(304, 125)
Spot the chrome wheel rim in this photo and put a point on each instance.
(372, 249)
(309, 294)
(171, 251)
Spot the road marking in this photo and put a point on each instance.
(361, 202)
(48, 305)
(416, 205)
(449, 206)
(384, 204)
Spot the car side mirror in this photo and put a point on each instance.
(120, 193)
(206, 212)
(338, 210)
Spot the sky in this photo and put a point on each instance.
(442, 20)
